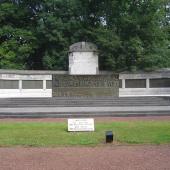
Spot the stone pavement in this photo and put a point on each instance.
(84, 111)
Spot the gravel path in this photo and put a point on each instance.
(87, 158)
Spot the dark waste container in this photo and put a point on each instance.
(109, 136)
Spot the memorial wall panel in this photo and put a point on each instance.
(48, 84)
(32, 84)
(135, 83)
(160, 83)
(9, 84)
(85, 85)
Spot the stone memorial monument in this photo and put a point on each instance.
(83, 59)
(83, 79)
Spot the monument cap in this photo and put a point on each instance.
(83, 47)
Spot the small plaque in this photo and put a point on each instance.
(80, 125)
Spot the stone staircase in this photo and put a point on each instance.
(84, 102)
(83, 107)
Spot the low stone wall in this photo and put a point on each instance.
(145, 84)
(23, 83)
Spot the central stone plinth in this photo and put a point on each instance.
(83, 59)
(86, 85)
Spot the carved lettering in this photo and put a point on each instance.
(86, 85)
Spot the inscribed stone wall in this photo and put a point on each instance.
(86, 85)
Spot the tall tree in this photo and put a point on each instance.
(130, 34)
(17, 41)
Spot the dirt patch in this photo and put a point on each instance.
(86, 158)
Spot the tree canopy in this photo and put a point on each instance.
(130, 34)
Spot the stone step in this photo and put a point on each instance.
(83, 107)
(91, 102)
(75, 101)
(88, 99)
(85, 98)
(85, 104)
(84, 115)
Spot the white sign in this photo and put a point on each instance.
(76, 125)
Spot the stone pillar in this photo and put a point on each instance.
(44, 85)
(20, 85)
(123, 83)
(147, 83)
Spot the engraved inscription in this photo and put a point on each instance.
(85, 81)
(86, 85)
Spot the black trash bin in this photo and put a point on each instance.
(109, 136)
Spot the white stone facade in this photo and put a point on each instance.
(83, 63)
(83, 59)
(20, 91)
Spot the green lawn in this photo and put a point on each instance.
(55, 134)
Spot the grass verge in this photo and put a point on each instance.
(55, 134)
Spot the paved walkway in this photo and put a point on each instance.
(86, 158)
(32, 112)
(83, 109)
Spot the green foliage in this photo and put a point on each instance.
(130, 34)
(17, 41)
(16, 48)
